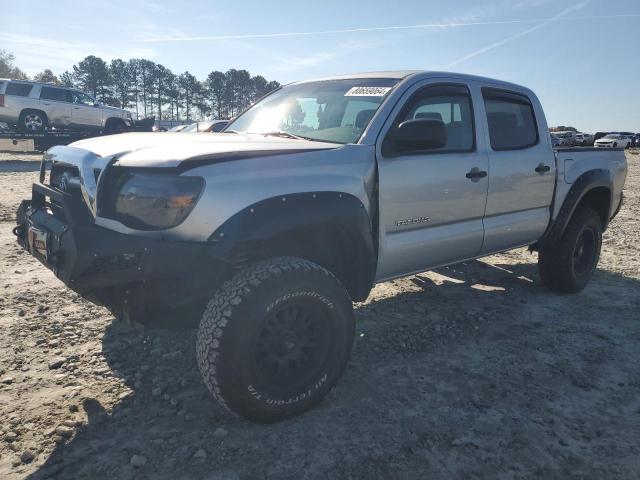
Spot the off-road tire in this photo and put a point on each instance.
(24, 120)
(231, 337)
(561, 269)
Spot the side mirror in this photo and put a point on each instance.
(420, 134)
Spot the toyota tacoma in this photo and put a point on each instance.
(270, 229)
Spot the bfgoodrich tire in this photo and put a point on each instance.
(275, 339)
(567, 266)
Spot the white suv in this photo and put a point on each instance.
(584, 139)
(33, 107)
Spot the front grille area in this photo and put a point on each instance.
(114, 263)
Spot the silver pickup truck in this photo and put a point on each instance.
(271, 229)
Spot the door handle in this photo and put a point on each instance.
(475, 174)
(541, 168)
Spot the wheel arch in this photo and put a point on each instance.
(111, 122)
(24, 111)
(332, 229)
(592, 189)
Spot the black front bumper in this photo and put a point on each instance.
(91, 259)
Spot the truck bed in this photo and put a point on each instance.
(573, 162)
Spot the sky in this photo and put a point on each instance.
(581, 57)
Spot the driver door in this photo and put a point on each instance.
(84, 112)
(432, 201)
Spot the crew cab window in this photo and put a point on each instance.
(18, 89)
(512, 124)
(450, 104)
(55, 94)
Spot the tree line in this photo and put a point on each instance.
(151, 89)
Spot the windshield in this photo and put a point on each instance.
(334, 111)
(615, 137)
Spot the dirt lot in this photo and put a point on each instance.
(474, 371)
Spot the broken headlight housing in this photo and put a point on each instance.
(152, 201)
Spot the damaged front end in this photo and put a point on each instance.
(136, 277)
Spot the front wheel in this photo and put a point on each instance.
(275, 339)
(568, 265)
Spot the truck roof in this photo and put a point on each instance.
(418, 75)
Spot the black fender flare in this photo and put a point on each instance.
(275, 225)
(584, 184)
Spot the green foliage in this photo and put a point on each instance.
(93, 76)
(67, 80)
(46, 76)
(562, 129)
(8, 69)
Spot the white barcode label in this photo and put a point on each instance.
(367, 92)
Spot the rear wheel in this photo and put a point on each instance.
(568, 265)
(32, 121)
(275, 339)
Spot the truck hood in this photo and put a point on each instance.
(172, 149)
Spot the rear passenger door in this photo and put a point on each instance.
(56, 103)
(431, 201)
(522, 170)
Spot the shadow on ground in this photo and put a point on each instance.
(475, 371)
(19, 166)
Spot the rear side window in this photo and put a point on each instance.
(56, 94)
(18, 89)
(512, 124)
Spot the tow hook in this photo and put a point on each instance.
(18, 231)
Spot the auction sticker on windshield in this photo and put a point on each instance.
(367, 92)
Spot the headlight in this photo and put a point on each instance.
(152, 201)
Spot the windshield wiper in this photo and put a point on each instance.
(281, 133)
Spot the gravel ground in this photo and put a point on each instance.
(471, 371)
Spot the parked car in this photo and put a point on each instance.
(636, 140)
(207, 126)
(584, 139)
(178, 128)
(318, 191)
(566, 138)
(613, 140)
(33, 107)
(599, 135)
(555, 141)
